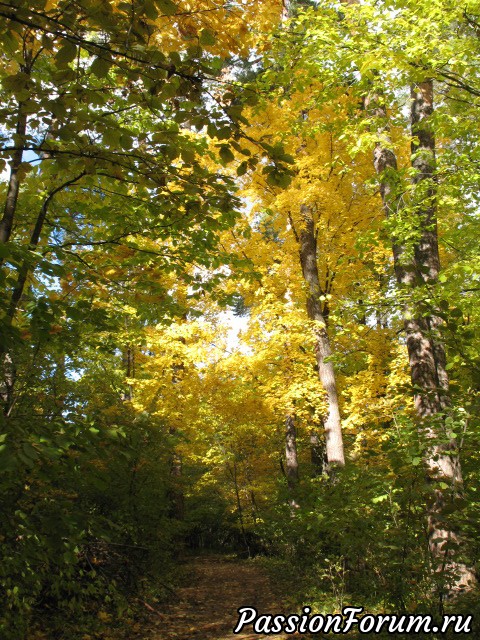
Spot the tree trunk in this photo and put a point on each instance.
(426, 351)
(291, 458)
(326, 372)
(234, 476)
(34, 241)
(8, 218)
(317, 455)
(6, 223)
(7, 384)
(129, 365)
(7, 364)
(177, 499)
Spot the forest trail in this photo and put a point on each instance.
(206, 607)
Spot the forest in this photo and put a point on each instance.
(239, 315)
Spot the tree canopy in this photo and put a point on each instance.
(239, 311)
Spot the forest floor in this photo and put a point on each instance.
(206, 604)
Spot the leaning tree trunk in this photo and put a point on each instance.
(8, 370)
(326, 372)
(414, 270)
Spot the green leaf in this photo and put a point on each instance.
(29, 451)
(150, 10)
(207, 37)
(212, 130)
(66, 53)
(242, 168)
(226, 154)
(100, 67)
(188, 155)
(277, 178)
(167, 7)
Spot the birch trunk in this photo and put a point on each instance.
(326, 372)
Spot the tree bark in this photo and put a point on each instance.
(234, 476)
(6, 223)
(426, 351)
(177, 498)
(8, 367)
(129, 364)
(34, 241)
(8, 218)
(317, 454)
(326, 372)
(291, 457)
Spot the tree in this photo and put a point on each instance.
(116, 191)
(341, 48)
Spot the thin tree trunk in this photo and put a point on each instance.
(239, 506)
(291, 457)
(425, 349)
(34, 241)
(176, 493)
(7, 384)
(8, 218)
(6, 223)
(326, 372)
(8, 367)
(317, 454)
(129, 364)
(176, 463)
(60, 381)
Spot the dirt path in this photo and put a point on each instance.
(207, 605)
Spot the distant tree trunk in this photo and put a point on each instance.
(291, 457)
(326, 372)
(7, 384)
(286, 9)
(177, 496)
(317, 454)
(425, 348)
(129, 364)
(59, 384)
(177, 499)
(234, 476)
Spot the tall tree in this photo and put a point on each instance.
(426, 351)
(332, 48)
(307, 239)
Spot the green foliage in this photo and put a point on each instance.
(87, 494)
